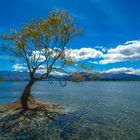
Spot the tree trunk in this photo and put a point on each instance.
(26, 94)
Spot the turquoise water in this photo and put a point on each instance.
(95, 110)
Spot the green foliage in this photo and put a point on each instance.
(43, 42)
(87, 68)
(77, 77)
(81, 76)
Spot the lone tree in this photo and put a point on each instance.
(42, 45)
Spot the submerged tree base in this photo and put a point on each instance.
(15, 123)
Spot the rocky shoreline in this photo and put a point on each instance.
(16, 124)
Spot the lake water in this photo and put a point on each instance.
(103, 110)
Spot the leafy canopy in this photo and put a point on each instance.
(42, 43)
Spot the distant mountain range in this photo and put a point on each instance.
(14, 76)
(120, 76)
(24, 76)
(109, 76)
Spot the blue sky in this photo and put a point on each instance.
(111, 38)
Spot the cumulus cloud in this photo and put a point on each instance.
(19, 67)
(129, 70)
(37, 55)
(42, 69)
(84, 54)
(74, 54)
(93, 62)
(127, 52)
(103, 49)
(58, 73)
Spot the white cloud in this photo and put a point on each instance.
(129, 70)
(93, 62)
(84, 54)
(127, 52)
(19, 67)
(37, 55)
(103, 49)
(75, 54)
(42, 69)
(58, 73)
